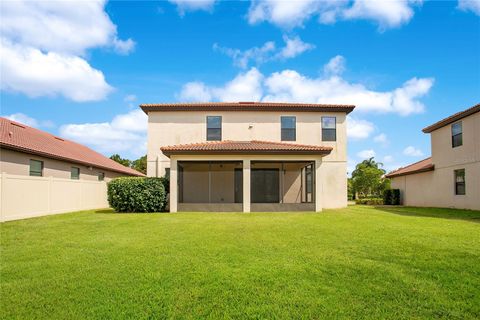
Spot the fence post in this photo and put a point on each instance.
(2, 197)
(50, 200)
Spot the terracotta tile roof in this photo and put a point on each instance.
(19, 137)
(417, 167)
(247, 106)
(242, 147)
(455, 117)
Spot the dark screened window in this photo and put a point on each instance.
(101, 176)
(214, 128)
(457, 134)
(288, 128)
(75, 173)
(329, 129)
(460, 182)
(36, 168)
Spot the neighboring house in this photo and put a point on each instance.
(250, 156)
(32, 152)
(451, 176)
(42, 174)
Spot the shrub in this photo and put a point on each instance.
(391, 197)
(370, 201)
(136, 194)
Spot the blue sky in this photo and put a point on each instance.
(80, 70)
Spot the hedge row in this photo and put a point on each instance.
(391, 197)
(370, 201)
(137, 194)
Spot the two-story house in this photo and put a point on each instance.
(250, 156)
(451, 176)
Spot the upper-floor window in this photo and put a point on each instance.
(288, 128)
(36, 168)
(329, 129)
(459, 181)
(457, 134)
(101, 176)
(75, 173)
(214, 128)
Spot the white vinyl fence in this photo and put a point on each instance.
(25, 196)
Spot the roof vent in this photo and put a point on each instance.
(58, 138)
(17, 124)
(246, 102)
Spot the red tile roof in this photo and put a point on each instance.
(19, 137)
(244, 147)
(417, 167)
(247, 106)
(455, 117)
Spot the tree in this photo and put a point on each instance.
(124, 162)
(140, 164)
(368, 179)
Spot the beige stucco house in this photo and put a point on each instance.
(450, 178)
(42, 174)
(249, 156)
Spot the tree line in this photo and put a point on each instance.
(140, 164)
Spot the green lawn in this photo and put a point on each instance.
(354, 263)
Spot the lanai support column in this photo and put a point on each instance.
(318, 185)
(246, 185)
(173, 185)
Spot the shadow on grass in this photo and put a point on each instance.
(443, 213)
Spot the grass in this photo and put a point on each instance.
(359, 262)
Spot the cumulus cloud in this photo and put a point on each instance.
(382, 139)
(359, 129)
(335, 66)
(23, 118)
(126, 133)
(34, 73)
(412, 152)
(366, 154)
(193, 5)
(244, 87)
(291, 86)
(294, 46)
(470, 5)
(289, 14)
(44, 45)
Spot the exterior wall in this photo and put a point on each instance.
(179, 127)
(444, 156)
(18, 163)
(22, 196)
(437, 188)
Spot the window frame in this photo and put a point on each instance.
(31, 171)
(72, 177)
(459, 173)
(214, 128)
(285, 130)
(455, 142)
(329, 129)
(100, 174)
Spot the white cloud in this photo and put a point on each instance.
(243, 58)
(193, 5)
(125, 134)
(44, 44)
(359, 129)
(412, 152)
(267, 52)
(382, 139)
(291, 86)
(23, 118)
(244, 87)
(289, 14)
(294, 47)
(388, 159)
(366, 154)
(34, 73)
(470, 5)
(335, 66)
(130, 98)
